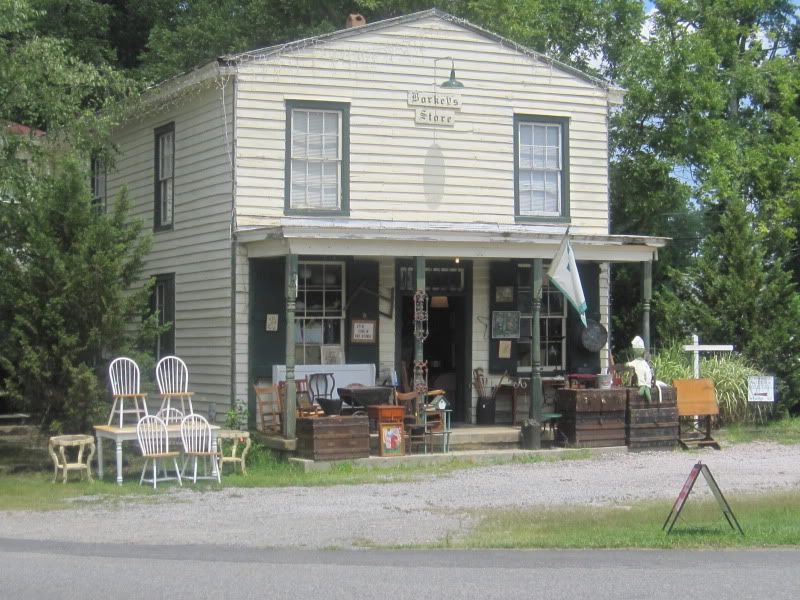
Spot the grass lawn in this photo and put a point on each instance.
(771, 519)
(35, 490)
(784, 431)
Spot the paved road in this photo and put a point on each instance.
(63, 570)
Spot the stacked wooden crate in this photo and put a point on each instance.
(591, 418)
(333, 438)
(652, 424)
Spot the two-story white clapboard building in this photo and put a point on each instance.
(341, 165)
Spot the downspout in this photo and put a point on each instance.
(231, 145)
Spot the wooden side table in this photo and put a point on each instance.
(57, 448)
(236, 437)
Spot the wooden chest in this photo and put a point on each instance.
(592, 417)
(333, 438)
(384, 413)
(654, 424)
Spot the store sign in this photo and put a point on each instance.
(434, 108)
(427, 116)
(434, 100)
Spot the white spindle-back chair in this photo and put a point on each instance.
(170, 416)
(124, 375)
(154, 444)
(172, 377)
(199, 443)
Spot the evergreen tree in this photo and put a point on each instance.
(65, 303)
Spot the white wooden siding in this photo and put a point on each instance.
(198, 249)
(373, 72)
(386, 326)
(242, 308)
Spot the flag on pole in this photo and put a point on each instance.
(564, 274)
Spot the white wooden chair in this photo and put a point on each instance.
(170, 416)
(154, 444)
(172, 377)
(124, 375)
(198, 443)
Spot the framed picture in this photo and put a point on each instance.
(363, 331)
(504, 350)
(332, 355)
(391, 439)
(505, 324)
(504, 294)
(272, 322)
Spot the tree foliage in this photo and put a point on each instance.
(64, 298)
(704, 150)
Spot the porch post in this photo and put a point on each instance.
(419, 272)
(420, 326)
(647, 295)
(535, 408)
(289, 408)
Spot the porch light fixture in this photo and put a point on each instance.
(452, 82)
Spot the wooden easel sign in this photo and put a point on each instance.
(672, 518)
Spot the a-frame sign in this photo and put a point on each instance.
(686, 490)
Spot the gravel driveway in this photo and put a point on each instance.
(403, 513)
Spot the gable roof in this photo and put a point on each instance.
(278, 49)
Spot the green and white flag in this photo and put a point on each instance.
(564, 274)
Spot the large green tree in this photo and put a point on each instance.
(65, 265)
(712, 115)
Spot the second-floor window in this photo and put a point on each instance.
(165, 177)
(541, 167)
(99, 179)
(317, 178)
(163, 303)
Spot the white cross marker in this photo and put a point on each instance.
(697, 348)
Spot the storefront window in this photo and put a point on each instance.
(552, 324)
(319, 316)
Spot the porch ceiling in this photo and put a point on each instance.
(344, 237)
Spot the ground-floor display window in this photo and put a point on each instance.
(319, 316)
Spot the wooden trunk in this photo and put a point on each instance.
(333, 438)
(591, 418)
(654, 424)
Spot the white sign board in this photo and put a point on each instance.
(428, 116)
(434, 99)
(761, 389)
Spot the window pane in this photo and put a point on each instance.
(539, 135)
(166, 202)
(525, 135)
(552, 135)
(315, 133)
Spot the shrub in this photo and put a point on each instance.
(728, 371)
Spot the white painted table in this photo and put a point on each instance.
(128, 433)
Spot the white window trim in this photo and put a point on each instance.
(293, 203)
(558, 172)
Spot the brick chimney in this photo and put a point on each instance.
(355, 20)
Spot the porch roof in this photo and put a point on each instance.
(345, 237)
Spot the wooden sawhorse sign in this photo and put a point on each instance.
(686, 490)
(696, 398)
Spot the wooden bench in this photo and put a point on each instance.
(696, 398)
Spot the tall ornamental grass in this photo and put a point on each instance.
(728, 370)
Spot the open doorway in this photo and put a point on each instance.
(446, 349)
